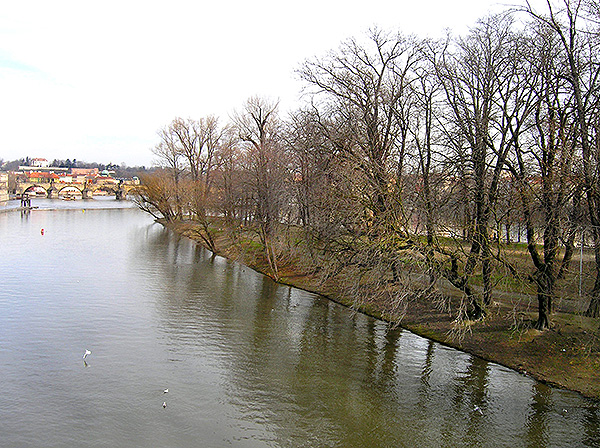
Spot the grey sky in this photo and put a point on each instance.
(95, 80)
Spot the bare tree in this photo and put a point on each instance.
(170, 158)
(428, 139)
(258, 127)
(471, 76)
(576, 25)
(196, 141)
(156, 195)
(361, 94)
(231, 198)
(542, 160)
(311, 156)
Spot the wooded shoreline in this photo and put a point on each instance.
(450, 186)
(567, 355)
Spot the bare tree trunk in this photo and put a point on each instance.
(593, 309)
(545, 292)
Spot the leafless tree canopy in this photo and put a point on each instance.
(414, 162)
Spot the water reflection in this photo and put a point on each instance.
(470, 399)
(591, 426)
(247, 362)
(537, 421)
(316, 373)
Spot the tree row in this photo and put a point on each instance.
(415, 161)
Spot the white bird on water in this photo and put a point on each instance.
(164, 404)
(166, 391)
(87, 352)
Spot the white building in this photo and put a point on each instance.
(40, 163)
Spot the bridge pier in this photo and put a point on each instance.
(52, 193)
(86, 194)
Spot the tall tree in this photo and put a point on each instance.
(576, 25)
(311, 158)
(426, 137)
(543, 152)
(362, 96)
(471, 75)
(229, 180)
(170, 159)
(365, 87)
(258, 127)
(197, 142)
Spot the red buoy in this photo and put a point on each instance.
(42, 231)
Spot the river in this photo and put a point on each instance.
(247, 362)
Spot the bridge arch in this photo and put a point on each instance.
(120, 190)
(68, 190)
(110, 189)
(35, 189)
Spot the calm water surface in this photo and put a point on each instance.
(247, 363)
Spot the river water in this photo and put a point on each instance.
(248, 363)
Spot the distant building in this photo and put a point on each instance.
(41, 177)
(79, 178)
(84, 171)
(3, 187)
(39, 163)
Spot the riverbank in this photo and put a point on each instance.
(567, 355)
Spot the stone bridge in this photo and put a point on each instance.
(120, 189)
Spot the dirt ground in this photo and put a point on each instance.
(567, 355)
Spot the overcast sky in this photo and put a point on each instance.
(94, 81)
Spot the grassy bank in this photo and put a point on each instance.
(567, 355)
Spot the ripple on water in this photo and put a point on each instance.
(248, 363)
